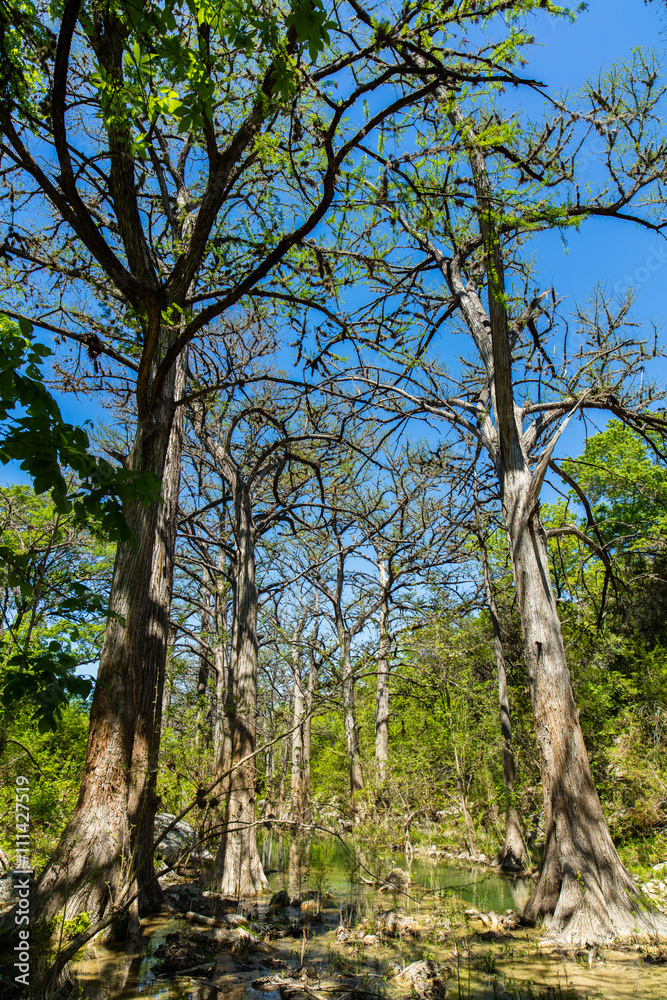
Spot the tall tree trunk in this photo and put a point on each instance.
(460, 775)
(583, 888)
(382, 695)
(282, 784)
(221, 670)
(204, 656)
(349, 714)
(105, 849)
(307, 734)
(511, 856)
(238, 863)
(221, 683)
(298, 719)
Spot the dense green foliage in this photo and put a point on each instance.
(53, 611)
(52, 761)
(54, 453)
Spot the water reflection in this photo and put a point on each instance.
(511, 967)
(298, 866)
(327, 865)
(109, 974)
(113, 974)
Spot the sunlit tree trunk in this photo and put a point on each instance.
(512, 854)
(238, 863)
(583, 889)
(307, 733)
(221, 671)
(204, 656)
(282, 784)
(349, 713)
(298, 721)
(382, 695)
(105, 850)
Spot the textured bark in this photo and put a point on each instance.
(238, 863)
(105, 850)
(583, 889)
(204, 659)
(349, 714)
(221, 670)
(282, 784)
(298, 721)
(511, 856)
(382, 694)
(307, 733)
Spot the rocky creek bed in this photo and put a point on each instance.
(343, 931)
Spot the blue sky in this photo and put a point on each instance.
(614, 254)
(567, 56)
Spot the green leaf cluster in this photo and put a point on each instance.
(35, 434)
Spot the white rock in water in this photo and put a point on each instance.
(173, 844)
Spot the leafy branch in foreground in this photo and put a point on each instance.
(34, 433)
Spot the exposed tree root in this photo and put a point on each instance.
(596, 908)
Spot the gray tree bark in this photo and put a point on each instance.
(307, 729)
(238, 864)
(349, 712)
(220, 666)
(204, 656)
(298, 724)
(511, 856)
(583, 889)
(382, 695)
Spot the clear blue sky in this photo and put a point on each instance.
(615, 254)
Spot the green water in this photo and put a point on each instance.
(512, 968)
(330, 866)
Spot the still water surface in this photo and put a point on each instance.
(511, 968)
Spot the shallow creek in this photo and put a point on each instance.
(480, 963)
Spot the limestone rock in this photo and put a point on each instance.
(8, 895)
(426, 978)
(397, 878)
(178, 840)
